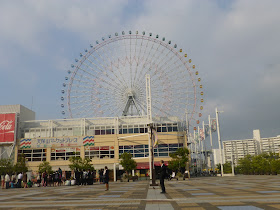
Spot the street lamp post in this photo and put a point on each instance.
(152, 168)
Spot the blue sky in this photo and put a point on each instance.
(234, 44)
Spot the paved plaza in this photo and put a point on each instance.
(225, 193)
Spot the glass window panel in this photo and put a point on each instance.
(164, 129)
(112, 156)
(169, 129)
(141, 130)
(136, 130)
(36, 159)
(120, 151)
(109, 131)
(113, 131)
(139, 155)
(120, 131)
(175, 129)
(27, 155)
(138, 146)
(58, 154)
(162, 145)
(130, 130)
(97, 132)
(163, 149)
(52, 158)
(173, 149)
(139, 151)
(104, 152)
(37, 155)
(163, 154)
(146, 130)
(128, 151)
(37, 151)
(158, 129)
(120, 147)
(128, 147)
(173, 145)
(102, 132)
(124, 131)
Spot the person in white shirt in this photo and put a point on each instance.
(19, 179)
(7, 180)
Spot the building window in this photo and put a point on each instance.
(100, 152)
(65, 153)
(162, 150)
(34, 154)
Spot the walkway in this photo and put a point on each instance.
(225, 193)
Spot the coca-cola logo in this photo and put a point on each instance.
(6, 125)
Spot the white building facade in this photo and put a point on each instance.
(237, 149)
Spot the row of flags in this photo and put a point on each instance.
(202, 134)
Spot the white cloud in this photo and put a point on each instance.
(235, 46)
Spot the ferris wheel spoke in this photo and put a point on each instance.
(110, 67)
(109, 85)
(105, 73)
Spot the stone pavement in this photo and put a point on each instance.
(225, 193)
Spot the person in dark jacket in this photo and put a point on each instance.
(106, 178)
(162, 176)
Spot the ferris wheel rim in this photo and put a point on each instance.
(123, 37)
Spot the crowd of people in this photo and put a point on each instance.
(54, 179)
(50, 179)
(15, 181)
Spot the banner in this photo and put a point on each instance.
(155, 138)
(213, 125)
(206, 130)
(7, 127)
(201, 133)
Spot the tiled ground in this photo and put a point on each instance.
(225, 193)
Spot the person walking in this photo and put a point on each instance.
(162, 176)
(106, 178)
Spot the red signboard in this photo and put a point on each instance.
(7, 127)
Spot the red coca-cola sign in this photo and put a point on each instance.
(7, 127)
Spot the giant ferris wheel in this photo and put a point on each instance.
(108, 79)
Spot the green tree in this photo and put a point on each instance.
(127, 162)
(179, 159)
(86, 165)
(227, 167)
(245, 165)
(20, 166)
(6, 166)
(79, 164)
(45, 166)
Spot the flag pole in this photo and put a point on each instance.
(211, 144)
(219, 140)
(205, 148)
